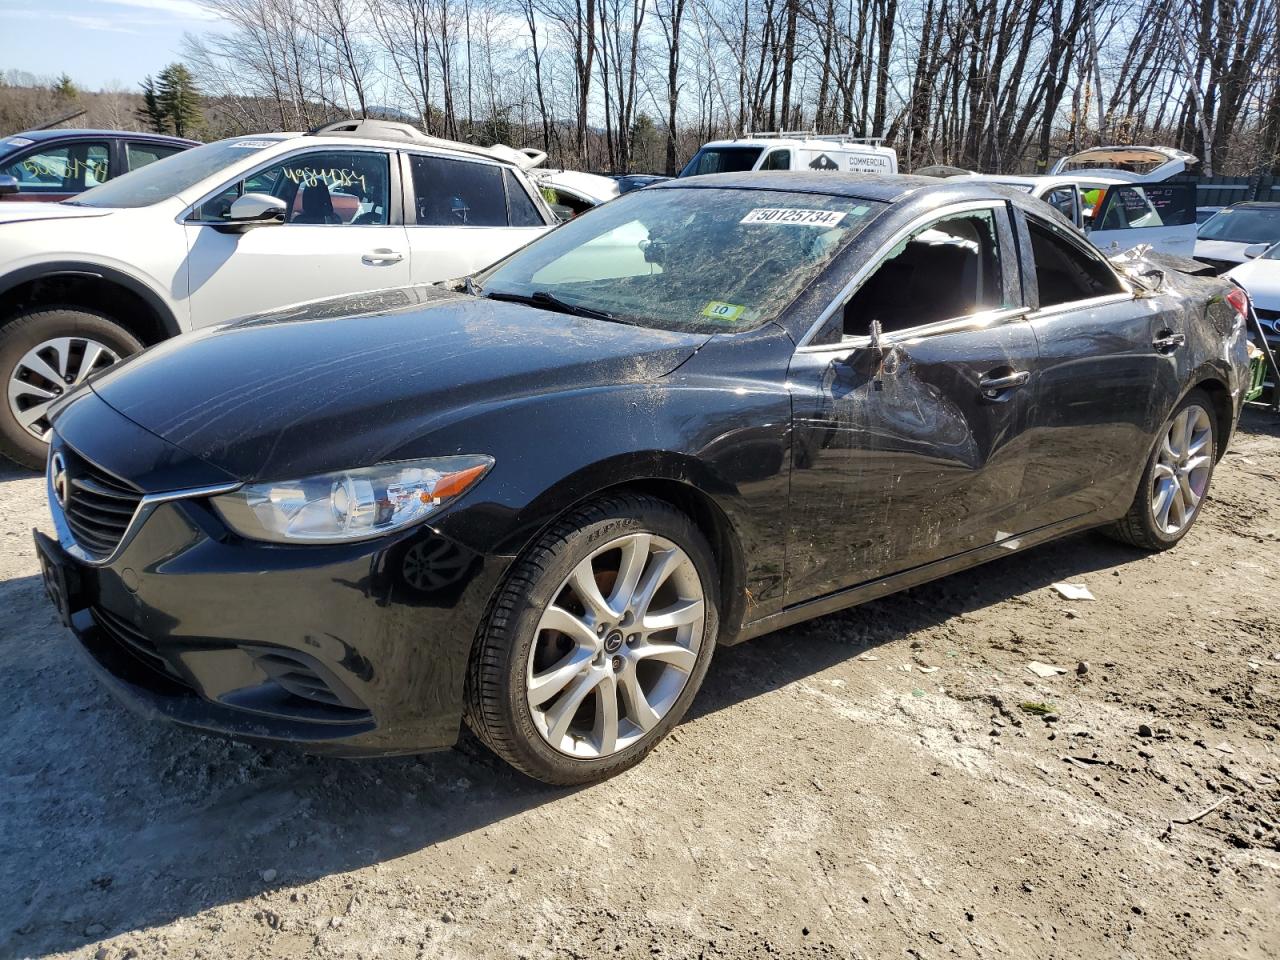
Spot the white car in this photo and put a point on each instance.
(1260, 277)
(1120, 196)
(238, 227)
(1227, 238)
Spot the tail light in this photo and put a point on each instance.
(1239, 301)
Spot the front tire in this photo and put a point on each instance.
(45, 352)
(1176, 479)
(597, 643)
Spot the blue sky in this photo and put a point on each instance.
(97, 42)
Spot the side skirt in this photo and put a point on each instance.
(853, 596)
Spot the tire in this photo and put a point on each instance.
(620, 542)
(1189, 470)
(76, 343)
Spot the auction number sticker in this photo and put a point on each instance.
(791, 217)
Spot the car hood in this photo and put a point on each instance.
(1222, 250)
(20, 211)
(365, 379)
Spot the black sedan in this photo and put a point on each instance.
(537, 500)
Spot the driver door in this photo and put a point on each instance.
(342, 234)
(912, 450)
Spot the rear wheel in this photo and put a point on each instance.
(43, 354)
(597, 643)
(1176, 480)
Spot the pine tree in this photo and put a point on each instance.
(150, 113)
(66, 89)
(179, 99)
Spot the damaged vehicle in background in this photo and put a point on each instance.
(1122, 197)
(538, 502)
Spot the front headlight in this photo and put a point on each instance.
(351, 504)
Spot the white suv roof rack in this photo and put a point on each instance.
(808, 135)
(394, 130)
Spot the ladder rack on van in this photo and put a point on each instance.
(809, 135)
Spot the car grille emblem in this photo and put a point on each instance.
(58, 470)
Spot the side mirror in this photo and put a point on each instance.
(255, 210)
(8, 185)
(1254, 250)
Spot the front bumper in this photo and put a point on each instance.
(357, 650)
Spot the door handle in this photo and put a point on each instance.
(1167, 341)
(993, 387)
(375, 257)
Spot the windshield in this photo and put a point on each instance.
(1243, 225)
(689, 260)
(169, 177)
(722, 160)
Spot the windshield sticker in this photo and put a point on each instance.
(784, 216)
(18, 142)
(724, 312)
(252, 144)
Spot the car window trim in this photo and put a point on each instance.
(394, 216)
(1126, 288)
(985, 320)
(882, 255)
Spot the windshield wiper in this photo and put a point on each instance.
(549, 301)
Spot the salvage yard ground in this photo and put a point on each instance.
(826, 797)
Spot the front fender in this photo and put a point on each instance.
(553, 452)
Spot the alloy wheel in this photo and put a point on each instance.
(616, 646)
(1181, 472)
(46, 372)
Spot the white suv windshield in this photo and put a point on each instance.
(169, 177)
(692, 260)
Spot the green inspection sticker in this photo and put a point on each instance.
(728, 312)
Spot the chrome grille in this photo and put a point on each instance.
(98, 508)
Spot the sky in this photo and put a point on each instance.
(99, 43)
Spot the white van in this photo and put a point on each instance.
(793, 150)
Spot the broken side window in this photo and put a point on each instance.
(1065, 271)
(948, 269)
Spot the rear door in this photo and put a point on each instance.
(1162, 215)
(342, 234)
(462, 215)
(1107, 372)
(913, 451)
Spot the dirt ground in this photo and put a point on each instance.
(826, 798)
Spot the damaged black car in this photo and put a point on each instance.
(535, 501)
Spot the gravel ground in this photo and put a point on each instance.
(827, 796)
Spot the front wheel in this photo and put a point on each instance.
(1176, 480)
(43, 354)
(597, 642)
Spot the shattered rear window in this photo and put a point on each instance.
(692, 260)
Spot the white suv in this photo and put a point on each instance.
(237, 227)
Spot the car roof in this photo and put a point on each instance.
(887, 188)
(77, 133)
